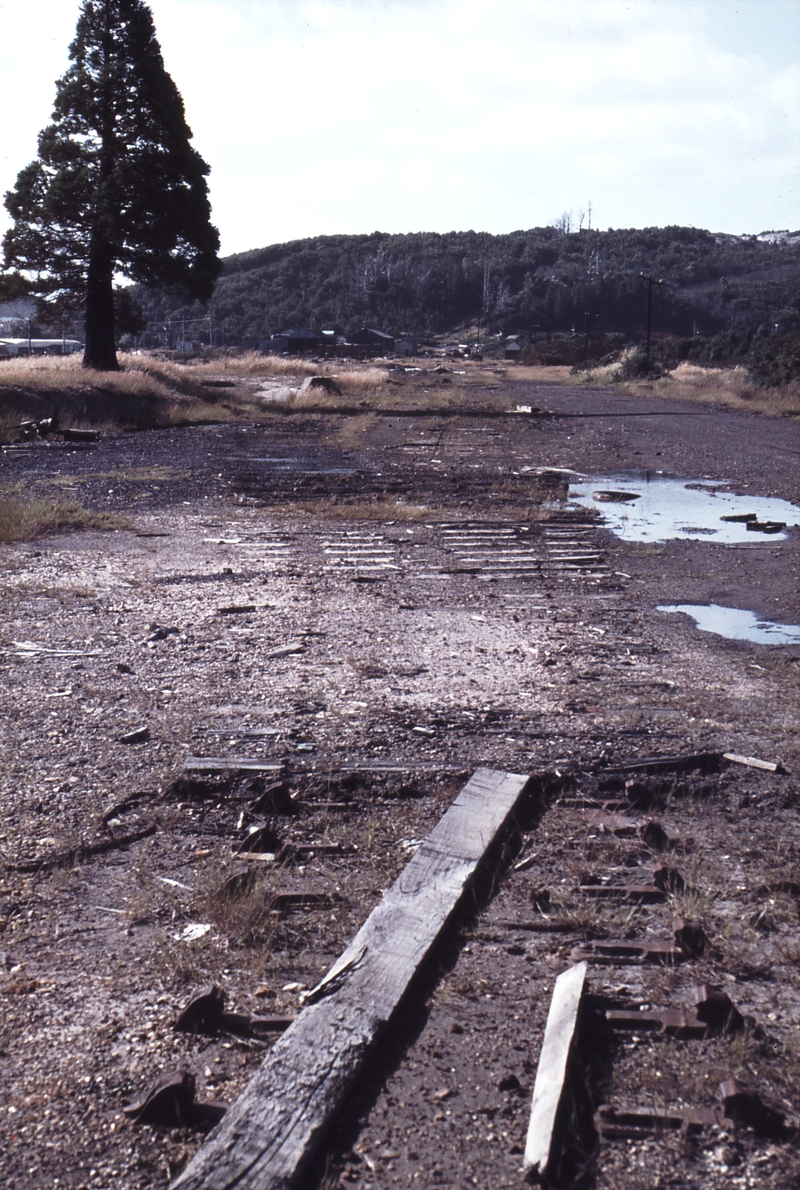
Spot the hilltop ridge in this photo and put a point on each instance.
(533, 282)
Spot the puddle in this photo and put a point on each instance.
(736, 624)
(646, 506)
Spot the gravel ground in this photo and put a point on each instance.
(379, 605)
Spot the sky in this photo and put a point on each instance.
(321, 117)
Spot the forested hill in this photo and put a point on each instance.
(538, 281)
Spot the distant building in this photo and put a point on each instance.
(39, 346)
(363, 344)
(513, 348)
(378, 341)
(334, 341)
(293, 342)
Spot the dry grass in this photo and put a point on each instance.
(383, 509)
(246, 917)
(140, 372)
(352, 432)
(23, 520)
(158, 473)
(730, 387)
(359, 379)
(373, 387)
(390, 509)
(147, 391)
(542, 373)
(139, 375)
(253, 363)
(150, 391)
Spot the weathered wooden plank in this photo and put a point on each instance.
(551, 1071)
(656, 764)
(271, 1132)
(752, 762)
(222, 764)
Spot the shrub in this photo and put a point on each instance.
(635, 365)
(774, 360)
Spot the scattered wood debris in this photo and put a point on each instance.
(265, 1140)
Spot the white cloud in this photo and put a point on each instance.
(323, 116)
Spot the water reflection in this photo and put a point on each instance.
(736, 624)
(645, 506)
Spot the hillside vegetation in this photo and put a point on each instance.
(532, 282)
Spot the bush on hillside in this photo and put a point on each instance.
(774, 360)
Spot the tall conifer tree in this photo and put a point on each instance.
(117, 187)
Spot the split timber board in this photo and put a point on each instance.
(552, 1069)
(240, 764)
(269, 1135)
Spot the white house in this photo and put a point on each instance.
(39, 346)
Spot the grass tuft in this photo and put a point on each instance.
(24, 520)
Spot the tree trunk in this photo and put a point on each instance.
(100, 352)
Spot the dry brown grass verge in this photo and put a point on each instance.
(24, 520)
(541, 373)
(730, 387)
(146, 393)
(150, 392)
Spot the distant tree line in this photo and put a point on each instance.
(531, 283)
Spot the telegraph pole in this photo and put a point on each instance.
(651, 281)
(588, 330)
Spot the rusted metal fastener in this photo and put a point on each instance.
(203, 1013)
(170, 1103)
(637, 1123)
(712, 1015)
(668, 879)
(737, 1106)
(690, 942)
(691, 938)
(638, 894)
(613, 824)
(611, 952)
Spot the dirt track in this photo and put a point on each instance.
(485, 622)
